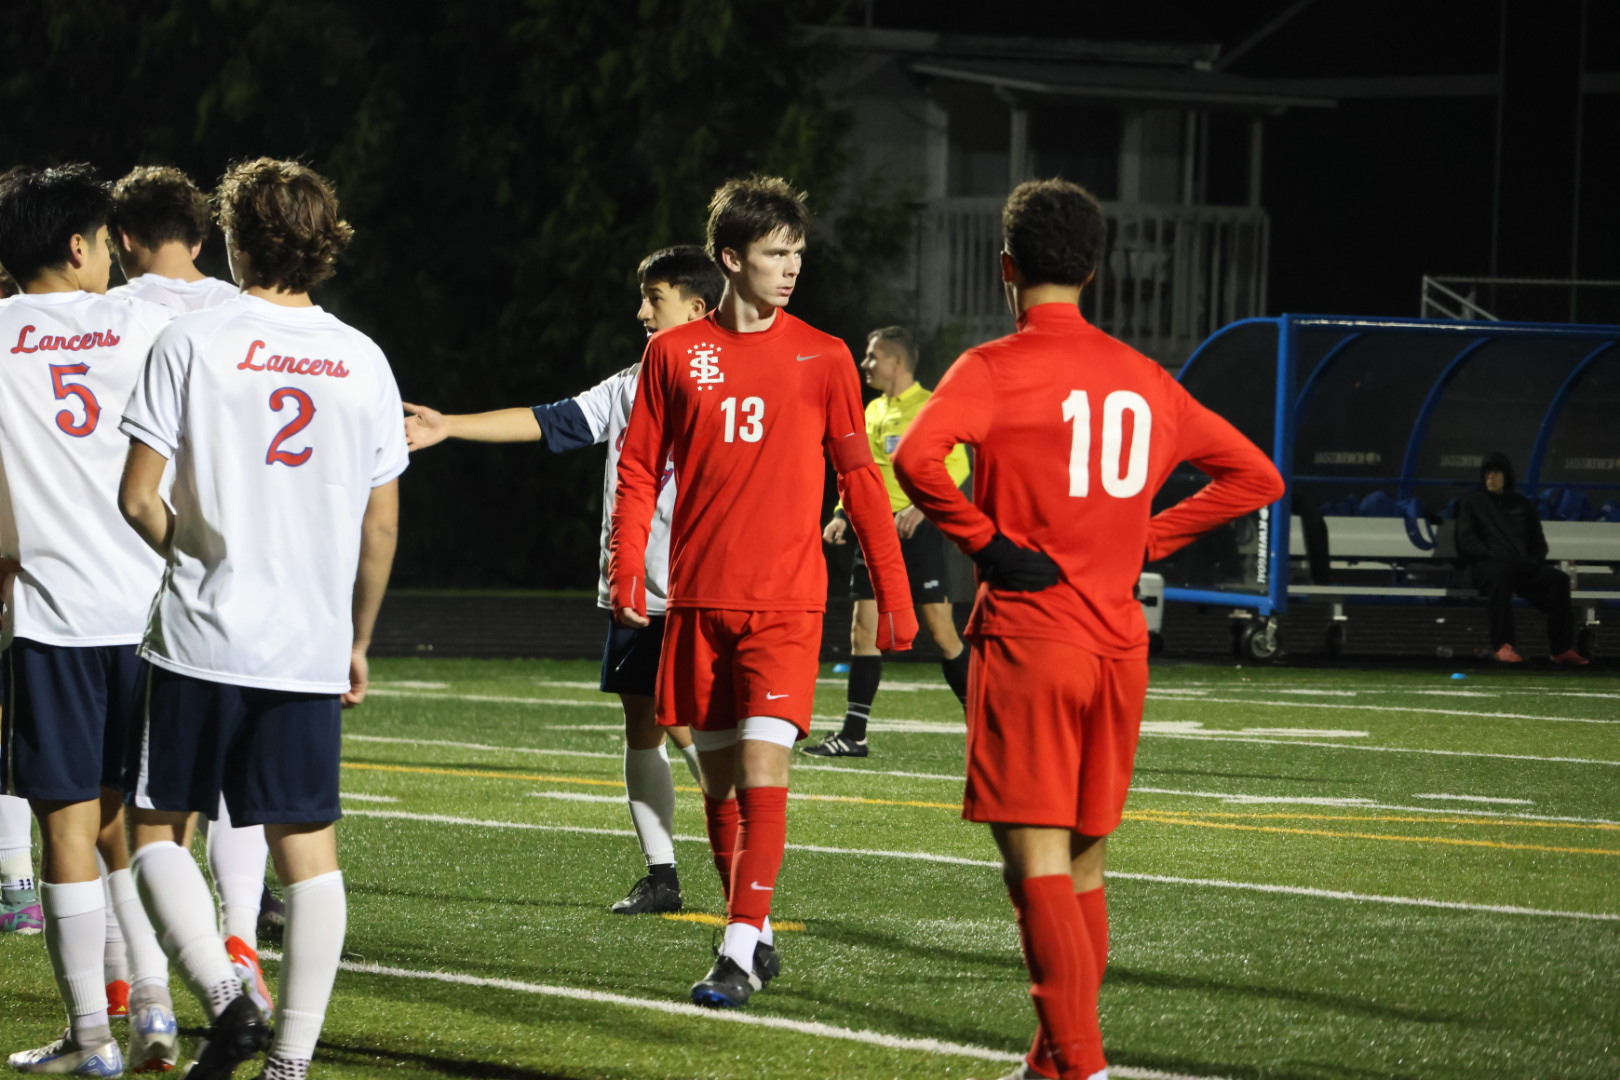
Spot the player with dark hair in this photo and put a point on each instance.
(891, 368)
(79, 599)
(159, 223)
(283, 427)
(1073, 433)
(678, 284)
(746, 403)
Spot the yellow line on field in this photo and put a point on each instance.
(1158, 820)
(530, 777)
(1166, 817)
(720, 920)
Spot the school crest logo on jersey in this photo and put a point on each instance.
(705, 365)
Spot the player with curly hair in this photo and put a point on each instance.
(283, 428)
(160, 220)
(1073, 434)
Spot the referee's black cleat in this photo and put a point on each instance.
(767, 963)
(239, 1033)
(835, 745)
(649, 896)
(726, 986)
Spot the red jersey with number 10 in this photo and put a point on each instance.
(746, 418)
(1074, 433)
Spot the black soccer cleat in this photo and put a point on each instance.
(272, 916)
(239, 1033)
(726, 986)
(835, 745)
(767, 963)
(649, 896)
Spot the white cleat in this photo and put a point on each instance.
(64, 1058)
(154, 1039)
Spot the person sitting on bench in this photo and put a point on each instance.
(1500, 542)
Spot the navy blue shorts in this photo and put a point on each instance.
(630, 659)
(68, 713)
(273, 754)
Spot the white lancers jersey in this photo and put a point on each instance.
(180, 297)
(68, 361)
(605, 410)
(279, 421)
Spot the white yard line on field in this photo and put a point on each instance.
(751, 1019)
(1477, 798)
(928, 856)
(1386, 708)
(481, 746)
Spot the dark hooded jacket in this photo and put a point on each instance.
(1501, 528)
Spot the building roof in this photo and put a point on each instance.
(1126, 84)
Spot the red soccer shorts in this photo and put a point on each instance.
(1052, 732)
(719, 667)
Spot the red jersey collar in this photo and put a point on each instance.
(758, 337)
(1055, 314)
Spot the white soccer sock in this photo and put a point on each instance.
(177, 899)
(147, 964)
(689, 752)
(739, 944)
(114, 957)
(651, 792)
(75, 935)
(766, 935)
(317, 915)
(236, 859)
(16, 844)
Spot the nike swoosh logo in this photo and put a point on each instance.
(802, 359)
(772, 697)
(761, 888)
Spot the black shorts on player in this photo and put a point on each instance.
(273, 753)
(630, 658)
(68, 712)
(924, 552)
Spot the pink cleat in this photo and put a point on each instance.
(1507, 654)
(1570, 658)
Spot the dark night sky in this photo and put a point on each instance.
(1368, 197)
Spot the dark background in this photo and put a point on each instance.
(506, 164)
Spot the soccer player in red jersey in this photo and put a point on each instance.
(745, 402)
(1074, 432)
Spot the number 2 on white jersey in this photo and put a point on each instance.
(1121, 484)
(300, 421)
(753, 428)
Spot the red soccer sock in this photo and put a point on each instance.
(720, 815)
(1063, 972)
(1094, 910)
(760, 842)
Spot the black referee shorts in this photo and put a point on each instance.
(924, 553)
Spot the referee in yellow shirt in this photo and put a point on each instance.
(891, 368)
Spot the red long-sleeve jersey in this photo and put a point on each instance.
(746, 419)
(1074, 433)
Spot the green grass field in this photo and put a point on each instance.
(1323, 874)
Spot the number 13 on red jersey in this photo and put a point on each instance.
(1120, 478)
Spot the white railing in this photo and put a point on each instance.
(1520, 299)
(1170, 275)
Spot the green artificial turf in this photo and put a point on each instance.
(1289, 898)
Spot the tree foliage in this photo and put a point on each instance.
(506, 164)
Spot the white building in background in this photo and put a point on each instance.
(1170, 144)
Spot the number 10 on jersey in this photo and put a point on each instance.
(1121, 479)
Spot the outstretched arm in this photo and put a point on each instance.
(425, 427)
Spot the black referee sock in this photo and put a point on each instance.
(865, 672)
(955, 670)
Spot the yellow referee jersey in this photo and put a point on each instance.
(886, 420)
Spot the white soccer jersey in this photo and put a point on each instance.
(68, 361)
(180, 297)
(279, 422)
(606, 410)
